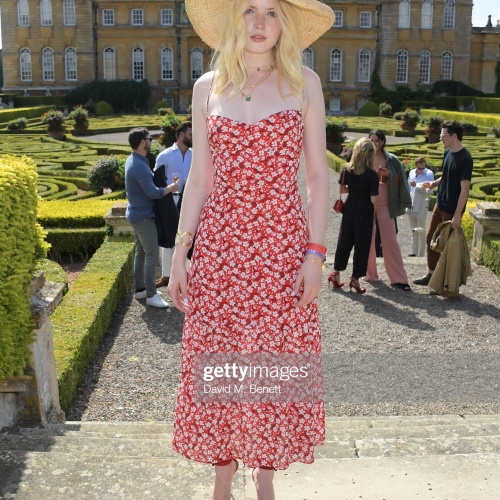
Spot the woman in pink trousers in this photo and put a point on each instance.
(393, 199)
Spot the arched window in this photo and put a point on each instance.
(447, 65)
(46, 12)
(69, 13)
(196, 63)
(137, 64)
(336, 65)
(364, 66)
(109, 63)
(308, 58)
(70, 64)
(424, 67)
(25, 65)
(427, 10)
(449, 15)
(404, 14)
(402, 67)
(23, 13)
(48, 64)
(167, 63)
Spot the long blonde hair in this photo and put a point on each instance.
(362, 156)
(229, 64)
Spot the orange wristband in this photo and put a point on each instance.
(318, 248)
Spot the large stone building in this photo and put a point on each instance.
(52, 46)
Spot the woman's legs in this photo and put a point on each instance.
(345, 243)
(393, 260)
(371, 268)
(362, 240)
(263, 479)
(224, 473)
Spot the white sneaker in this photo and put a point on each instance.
(157, 301)
(143, 295)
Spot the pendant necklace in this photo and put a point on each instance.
(248, 97)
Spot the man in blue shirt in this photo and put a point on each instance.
(453, 190)
(141, 191)
(175, 160)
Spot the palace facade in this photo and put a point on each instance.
(53, 46)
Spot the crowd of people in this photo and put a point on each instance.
(256, 267)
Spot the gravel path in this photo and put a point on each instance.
(387, 352)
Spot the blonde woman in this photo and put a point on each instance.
(256, 266)
(357, 219)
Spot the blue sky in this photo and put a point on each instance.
(480, 12)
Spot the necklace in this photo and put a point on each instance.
(259, 67)
(248, 97)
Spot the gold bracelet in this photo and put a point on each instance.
(179, 240)
(315, 260)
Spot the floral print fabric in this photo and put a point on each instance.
(250, 244)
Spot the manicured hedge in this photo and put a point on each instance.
(490, 253)
(6, 115)
(79, 243)
(68, 214)
(479, 119)
(21, 244)
(84, 315)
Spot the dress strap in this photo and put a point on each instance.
(210, 91)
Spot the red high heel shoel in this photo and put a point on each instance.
(354, 283)
(334, 280)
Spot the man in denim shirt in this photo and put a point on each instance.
(141, 191)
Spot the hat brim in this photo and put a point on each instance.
(315, 18)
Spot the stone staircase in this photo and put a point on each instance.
(438, 457)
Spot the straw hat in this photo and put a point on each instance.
(314, 19)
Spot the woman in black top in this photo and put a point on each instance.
(357, 220)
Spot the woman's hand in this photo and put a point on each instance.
(310, 275)
(177, 285)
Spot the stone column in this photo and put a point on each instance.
(115, 217)
(486, 217)
(33, 399)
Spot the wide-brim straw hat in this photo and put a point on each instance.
(314, 19)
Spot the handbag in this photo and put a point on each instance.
(338, 206)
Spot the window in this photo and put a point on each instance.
(196, 63)
(404, 14)
(336, 65)
(167, 63)
(46, 12)
(402, 67)
(167, 17)
(427, 9)
(137, 17)
(424, 67)
(449, 15)
(308, 58)
(447, 65)
(365, 19)
(48, 64)
(23, 13)
(25, 65)
(169, 101)
(70, 64)
(69, 13)
(109, 64)
(334, 104)
(138, 64)
(339, 19)
(108, 17)
(364, 69)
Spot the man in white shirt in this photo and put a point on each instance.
(175, 160)
(420, 205)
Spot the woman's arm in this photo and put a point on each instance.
(196, 192)
(317, 182)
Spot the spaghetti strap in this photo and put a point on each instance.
(210, 92)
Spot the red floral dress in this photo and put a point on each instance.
(250, 244)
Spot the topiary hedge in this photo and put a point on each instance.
(490, 253)
(77, 243)
(21, 245)
(84, 315)
(68, 214)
